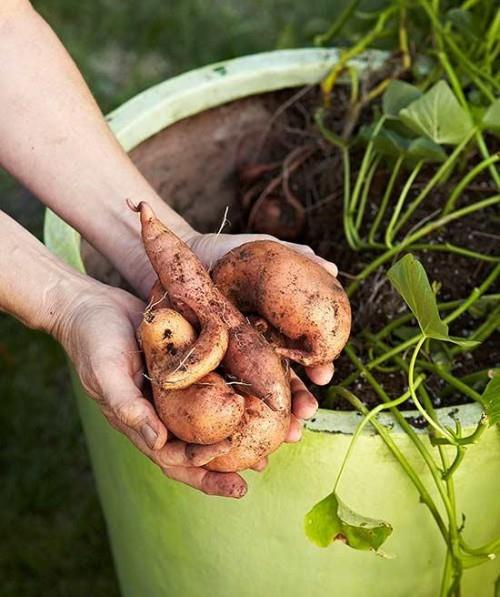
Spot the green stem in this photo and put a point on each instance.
(389, 442)
(385, 200)
(449, 248)
(364, 194)
(481, 333)
(474, 295)
(420, 408)
(452, 380)
(417, 235)
(338, 23)
(439, 175)
(389, 233)
(368, 417)
(467, 179)
(457, 87)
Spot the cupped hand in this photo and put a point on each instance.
(97, 329)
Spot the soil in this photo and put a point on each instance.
(294, 164)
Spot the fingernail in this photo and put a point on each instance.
(149, 435)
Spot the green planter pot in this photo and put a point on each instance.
(169, 540)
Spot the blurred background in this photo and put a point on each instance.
(53, 535)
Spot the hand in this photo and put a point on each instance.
(97, 329)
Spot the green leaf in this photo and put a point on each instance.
(438, 116)
(491, 119)
(390, 143)
(409, 278)
(397, 96)
(490, 399)
(425, 149)
(330, 520)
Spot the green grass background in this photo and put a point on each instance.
(53, 538)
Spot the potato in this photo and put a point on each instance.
(195, 404)
(297, 296)
(194, 326)
(206, 413)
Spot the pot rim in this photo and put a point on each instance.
(210, 86)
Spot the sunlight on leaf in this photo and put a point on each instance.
(438, 116)
(397, 96)
(330, 520)
(491, 119)
(490, 399)
(409, 278)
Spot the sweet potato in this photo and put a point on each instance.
(247, 359)
(295, 295)
(193, 327)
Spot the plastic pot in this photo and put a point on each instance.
(187, 135)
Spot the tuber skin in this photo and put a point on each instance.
(248, 359)
(297, 296)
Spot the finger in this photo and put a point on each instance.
(177, 453)
(320, 375)
(260, 466)
(123, 399)
(328, 265)
(304, 404)
(229, 485)
(294, 433)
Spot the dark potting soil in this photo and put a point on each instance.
(293, 189)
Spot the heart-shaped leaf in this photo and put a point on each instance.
(423, 149)
(438, 116)
(490, 399)
(409, 278)
(491, 118)
(397, 96)
(390, 143)
(330, 520)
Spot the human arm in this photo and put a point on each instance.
(96, 325)
(55, 140)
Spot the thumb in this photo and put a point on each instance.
(124, 403)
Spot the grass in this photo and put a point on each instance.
(54, 540)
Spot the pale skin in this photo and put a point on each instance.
(56, 142)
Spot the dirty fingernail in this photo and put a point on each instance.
(149, 435)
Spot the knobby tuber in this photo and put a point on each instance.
(215, 375)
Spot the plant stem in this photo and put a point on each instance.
(449, 248)
(329, 82)
(474, 295)
(466, 180)
(364, 194)
(439, 175)
(389, 442)
(389, 233)
(417, 235)
(368, 417)
(420, 408)
(338, 23)
(385, 200)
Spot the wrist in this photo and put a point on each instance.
(63, 297)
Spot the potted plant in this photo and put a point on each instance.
(407, 143)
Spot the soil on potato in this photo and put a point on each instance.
(293, 188)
